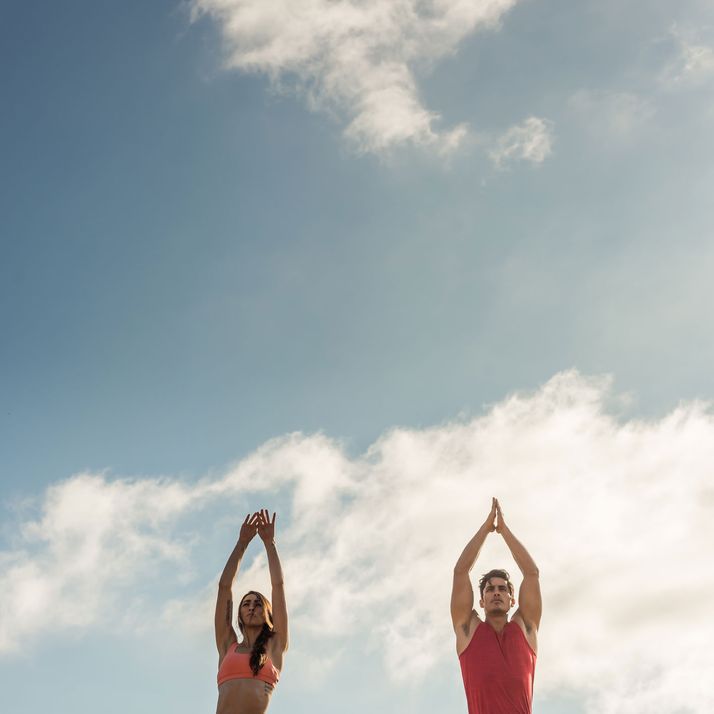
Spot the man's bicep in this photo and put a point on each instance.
(462, 600)
(530, 604)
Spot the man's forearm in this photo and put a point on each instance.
(525, 563)
(472, 550)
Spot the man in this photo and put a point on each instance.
(497, 656)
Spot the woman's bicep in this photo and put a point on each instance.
(223, 621)
(280, 615)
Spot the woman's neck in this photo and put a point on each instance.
(250, 635)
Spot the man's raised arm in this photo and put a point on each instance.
(530, 605)
(462, 594)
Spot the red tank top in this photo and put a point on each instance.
(498, 671)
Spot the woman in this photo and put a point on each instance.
(249, 670)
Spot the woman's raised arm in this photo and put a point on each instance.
(266, 531)
(225, 634)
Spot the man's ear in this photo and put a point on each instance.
(480, 603)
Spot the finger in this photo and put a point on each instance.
(273, 521)
(245, 522)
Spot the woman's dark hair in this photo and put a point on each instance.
(257, 654)
(503, 574)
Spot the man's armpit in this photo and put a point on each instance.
(467, 626)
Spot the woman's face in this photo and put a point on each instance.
(251, 610)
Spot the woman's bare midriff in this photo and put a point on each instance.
(243, 696)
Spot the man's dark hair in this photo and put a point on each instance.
(503, 574)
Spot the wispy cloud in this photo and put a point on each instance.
(532, 141)
(618, 515)
(610, 116)
(356, 60)
(693, 63)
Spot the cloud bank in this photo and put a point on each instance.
(617, 514)
(355, 59)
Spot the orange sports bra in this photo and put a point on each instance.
(236, 665)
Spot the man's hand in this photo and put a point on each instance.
(500, 523)
(490, 522)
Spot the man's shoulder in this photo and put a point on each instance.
(530, 632)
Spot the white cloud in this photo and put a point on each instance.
(355, 59)
(618, 515)
(93, 535)
(532, 140)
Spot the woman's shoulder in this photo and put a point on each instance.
(226, 646)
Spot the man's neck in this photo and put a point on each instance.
(498, 622)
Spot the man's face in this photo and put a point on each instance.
(496, 599)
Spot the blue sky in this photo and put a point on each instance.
(225, 224)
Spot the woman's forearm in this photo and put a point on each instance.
(276, 570)
(232, 565)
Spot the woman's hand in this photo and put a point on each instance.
(248, 529)
(266, 527)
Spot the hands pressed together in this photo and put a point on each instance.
(495, 521)
(260, 523)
